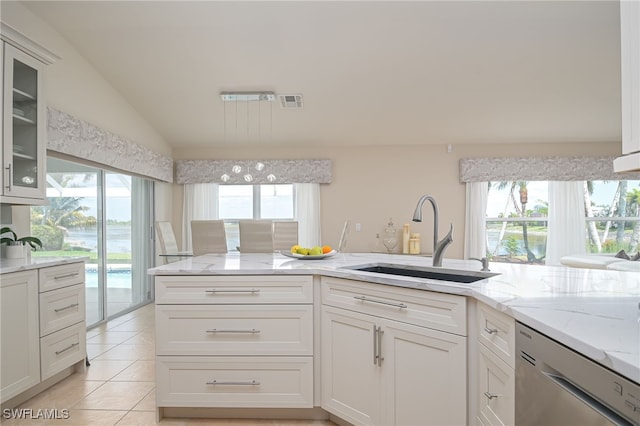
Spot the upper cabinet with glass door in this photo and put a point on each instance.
(630, 85)
(24, 121)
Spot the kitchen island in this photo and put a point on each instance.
(594, 312)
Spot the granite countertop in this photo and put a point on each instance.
(16, 265)
(596, 312)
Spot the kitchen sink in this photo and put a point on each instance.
(440, 274)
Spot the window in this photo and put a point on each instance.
(255, 202)
(105, 216)
(517, 218)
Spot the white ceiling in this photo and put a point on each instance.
(377, 73)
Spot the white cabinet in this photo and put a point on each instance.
(19, 336)
(43, 328)
(379, 367)
(630, 85)
(24, 129)
(234, 341)
(495, 351)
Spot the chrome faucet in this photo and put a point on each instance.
(438, 246)
(484, 261)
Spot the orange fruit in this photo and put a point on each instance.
(326, 249)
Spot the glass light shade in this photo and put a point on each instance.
(271, 177)
(248, 178)
(225, 178)
(259, 166)
(236, 169)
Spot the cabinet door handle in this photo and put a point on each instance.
(60, 277)
(73, 305)
(491, 330)
(491, 395)
(67, 348)
(380, 357)
(251, 290)
(375, 345)
(382, 302)
(234, 382)
(9, 177)
(215, 330)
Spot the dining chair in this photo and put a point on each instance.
(256, 236)
(168, 245)
(208, 236)
(285, 235)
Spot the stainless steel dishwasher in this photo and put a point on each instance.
(557, 386)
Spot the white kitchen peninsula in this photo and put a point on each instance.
(594, 312)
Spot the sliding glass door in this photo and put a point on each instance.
(106, 216)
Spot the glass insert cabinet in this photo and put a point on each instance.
(24, 120)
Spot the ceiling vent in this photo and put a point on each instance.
(290, 101)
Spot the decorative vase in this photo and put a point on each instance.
(15, 251)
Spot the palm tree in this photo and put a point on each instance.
(622, 208)
(591, 225)
(63, 212)
(633, 200)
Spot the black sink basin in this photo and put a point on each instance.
(458, 276)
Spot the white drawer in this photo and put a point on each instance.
(62, 349)
(261, 382)
(497, 331)
(61, 276)
(234, 330)
(234, 289)
(61, 308)
(444, 312)
(496, 389)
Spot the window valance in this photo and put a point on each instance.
(540, 168)
(71, 136)
(284, 171)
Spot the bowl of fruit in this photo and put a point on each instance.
(315, 252)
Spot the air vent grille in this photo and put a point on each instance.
(290, 101)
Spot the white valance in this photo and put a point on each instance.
(540, 168)
(284, 171)
(71, 136)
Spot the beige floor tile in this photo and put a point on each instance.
(96, 349)
(105, 369)
(112, 337)
(129, 352)
(145, 337)
(139, 371)
(141, 418)
(148, 403)
(115, 396)
(64, 394)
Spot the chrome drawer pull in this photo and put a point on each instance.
(73, 305)
(491, 330)
(490, 395)
(59, 277)
(234, 382)
(10, 177)
(67, 348)
(215, 290)
(215, 330)
(382, 302)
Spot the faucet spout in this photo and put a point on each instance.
(438, 246)
(438, 250)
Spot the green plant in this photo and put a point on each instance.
(52, 238)
(511, 245)
(13, 239)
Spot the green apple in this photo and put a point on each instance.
(315, 251)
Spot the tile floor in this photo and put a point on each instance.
(119, 388)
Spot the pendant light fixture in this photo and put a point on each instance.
(250, 173)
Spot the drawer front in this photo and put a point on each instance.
(497, 331)
(62, 349)
(61, 276)
(496, 389)
(234, 330)
(61, 308)
(444, 312)
(234, 289)
(261, 382)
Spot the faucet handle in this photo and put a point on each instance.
(484, 261)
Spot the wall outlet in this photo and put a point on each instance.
(358, 227)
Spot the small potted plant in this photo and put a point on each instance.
(15, 247)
